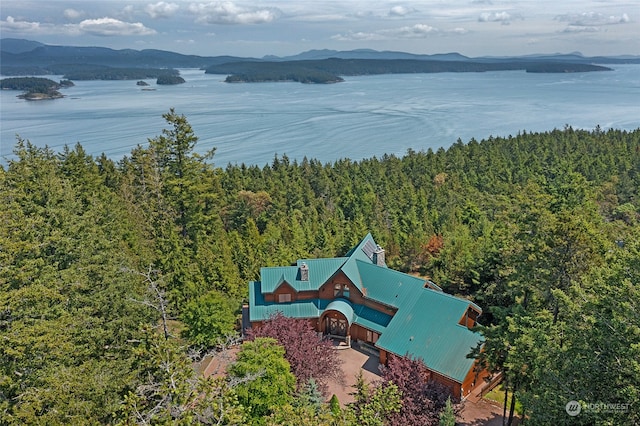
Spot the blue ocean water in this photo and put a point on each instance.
(363, 117)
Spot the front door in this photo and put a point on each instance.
(337, 327)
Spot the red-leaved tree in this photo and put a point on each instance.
(309, 356)
(422, 399)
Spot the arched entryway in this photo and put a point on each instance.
(336, 326)
(337, 318)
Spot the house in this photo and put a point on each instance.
(358, 298)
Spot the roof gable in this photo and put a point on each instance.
(320, 270)
(261, 310)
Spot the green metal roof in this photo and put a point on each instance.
(344, 308)
(426, 322)
(386, 285)
(260, 310)
(427, 327)
(320, 270)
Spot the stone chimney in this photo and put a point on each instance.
(304, 272)
(378, 256)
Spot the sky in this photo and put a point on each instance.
(278, 27)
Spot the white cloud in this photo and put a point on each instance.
(401, 11)
(357, 36)
(72, 14)
(592, 19)
(20, 26)
(230, 13)
(459, 30)
(113, 27)
(590, 22)
(101, 27)
(415, 31)
(504, 17)
(161, 10)
(580, 29)
(408, 32)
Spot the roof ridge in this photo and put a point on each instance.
(453, 296)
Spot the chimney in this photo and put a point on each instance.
(378, 256)
(304, 272)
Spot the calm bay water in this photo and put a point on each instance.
(363, 117)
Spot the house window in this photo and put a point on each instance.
(341, 290)
(282, 298)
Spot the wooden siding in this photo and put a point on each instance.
(474, 378)
(355, 296)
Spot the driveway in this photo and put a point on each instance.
(354, 360)
(480, 413)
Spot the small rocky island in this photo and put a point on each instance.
(35, 88)
(142, 83)
(168, 79)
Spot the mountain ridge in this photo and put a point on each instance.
(27, 57)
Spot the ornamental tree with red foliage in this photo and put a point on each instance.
(309, 356)
(422, 399)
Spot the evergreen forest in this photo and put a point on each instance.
(116, 276)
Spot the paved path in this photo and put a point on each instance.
(352, 361)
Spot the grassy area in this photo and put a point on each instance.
(497, 395)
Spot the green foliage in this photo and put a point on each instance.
(30, 84)
(538, 229)
(169, 79)
(272, 384)
(68, 309)
(311, 396)
(94, 72)
(447, 416)
(209, 318)
(328, 70)
(304, 415)
(171, 392)
(373, 408)
(334, 405)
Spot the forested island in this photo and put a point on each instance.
(119, 274)
(330, 70)
(35, 88)
(24, 57)
(107, 73)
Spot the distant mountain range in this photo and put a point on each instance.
(26, 57)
